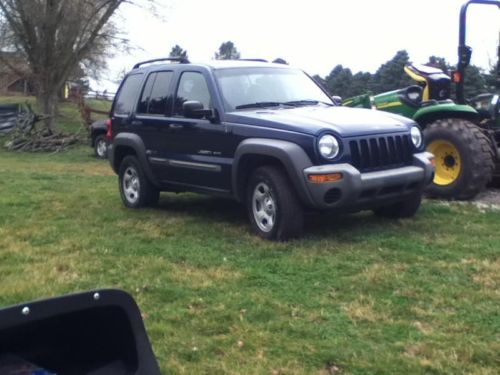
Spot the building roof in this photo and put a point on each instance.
(14, 59)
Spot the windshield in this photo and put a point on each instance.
(265, 87)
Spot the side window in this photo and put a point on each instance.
(192, 86)
(127, 96)
(155, 98)
(146, 94)
(160, 99)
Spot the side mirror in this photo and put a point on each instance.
(195, 109)
(337, 100)
(99, 333)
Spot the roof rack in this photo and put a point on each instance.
(180, 60)
(256, 60)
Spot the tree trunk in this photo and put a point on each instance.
(48, 102)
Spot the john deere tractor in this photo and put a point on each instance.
(464, 136)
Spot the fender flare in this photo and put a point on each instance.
(133, 141)
(291, 156)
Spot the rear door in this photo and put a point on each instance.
(152, 117)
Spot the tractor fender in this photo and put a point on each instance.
(438, 111)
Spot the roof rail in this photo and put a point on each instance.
(180, 60)
(256, 60)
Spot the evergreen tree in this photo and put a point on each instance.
(227, 51)
(391, 76)
(339, 80)
(475, 82)
(360, 83)
(177, 51)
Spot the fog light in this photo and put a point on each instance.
(322, 178)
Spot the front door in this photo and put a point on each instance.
(195, 150)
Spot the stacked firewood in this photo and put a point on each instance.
(28, 138)
(40, 141)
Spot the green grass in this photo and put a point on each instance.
(366, 295)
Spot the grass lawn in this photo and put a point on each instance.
(357, 293)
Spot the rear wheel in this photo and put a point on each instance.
(135, 189)
(464, 158)
(273, 207)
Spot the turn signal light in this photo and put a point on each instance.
(457, 76)
(322, 178)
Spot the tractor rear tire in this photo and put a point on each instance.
(464, 158)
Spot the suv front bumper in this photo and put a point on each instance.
(356, 190)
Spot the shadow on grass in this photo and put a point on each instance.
(203, 207)
(317, 224)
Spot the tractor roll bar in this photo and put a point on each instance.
(464, 51)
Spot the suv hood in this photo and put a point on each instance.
(313, 120)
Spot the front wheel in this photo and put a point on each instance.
(101, 147)
(135, 189)
(273, 207)
(464, 158)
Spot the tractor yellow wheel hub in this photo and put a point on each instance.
(448, 162)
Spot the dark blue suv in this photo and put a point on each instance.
(264, 134)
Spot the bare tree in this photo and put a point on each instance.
(56, 37)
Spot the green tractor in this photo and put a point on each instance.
(464, 135)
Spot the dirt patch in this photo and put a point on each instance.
(488, 199)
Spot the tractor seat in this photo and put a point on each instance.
(436, 84)
(424, 70)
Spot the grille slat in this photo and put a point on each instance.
(384, 153)
(376, 153)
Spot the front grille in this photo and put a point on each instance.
(376, 153)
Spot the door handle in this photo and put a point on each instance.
(175, 126)
(136, 122)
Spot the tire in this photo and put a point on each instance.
(274, 210)
(101, 147)
(400, 210)
(464, 158)
(136, 190)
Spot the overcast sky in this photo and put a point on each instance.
(314, 35)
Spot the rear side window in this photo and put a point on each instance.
(127, 96)
(155, 98)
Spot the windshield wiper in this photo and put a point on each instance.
(304, 102)
(264, 105)
(291, 103)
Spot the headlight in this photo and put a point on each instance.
(328, 146)
(416, 136)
